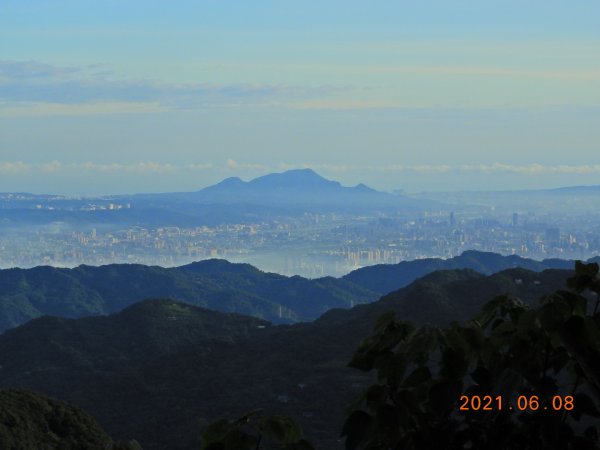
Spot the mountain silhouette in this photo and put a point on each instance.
(215, 284)
(223, 286)
(384, 278)
(296, 189)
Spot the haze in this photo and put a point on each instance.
(121, 97)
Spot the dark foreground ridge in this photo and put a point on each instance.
(160, 371)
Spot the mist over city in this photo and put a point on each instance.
(296, 223)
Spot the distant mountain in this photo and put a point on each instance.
(160, 371)
(577, 190)
(215, 284)
(268, 197)
(295, 189)
(384, 278)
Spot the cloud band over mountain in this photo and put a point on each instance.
(16, 167)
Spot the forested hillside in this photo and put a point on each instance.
(215, 284)
(222, 286)
(160, 371)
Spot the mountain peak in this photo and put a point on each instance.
(295, 178)
(231, 182)
(297, 190)
(361, 187)
(306, 173)
(218, 266)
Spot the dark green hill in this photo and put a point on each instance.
(384, 278)
(144, 375)
(147, 329)
(222, 286)
(214, 284)
(33, 421)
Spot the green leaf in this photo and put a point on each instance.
(388, 418)
(574, 328)
(584, 276)
(376, 395)
(452, 337)
(489, 312)
(421, 344)
(591, 333)
(215, 432)
(474, 337)
(214, 446)
(239, 440)
(583, 404)
(508, 381)
(454, 364)
(559, 359)
(527, 322)
(282, 429)
(364, 358)
(303, 444)
(384, 321)
(443, 397)
(550, 317)
(246, 417)
(391, 366)
(355, 428)
(481, 376)
(418, 376)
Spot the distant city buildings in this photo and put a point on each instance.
(313, 245)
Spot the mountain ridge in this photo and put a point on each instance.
(292, 189)
(163, 394)
(384, 278)
(215, 284)
(223, 286)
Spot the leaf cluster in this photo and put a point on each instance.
(508, 350)
(254, 431)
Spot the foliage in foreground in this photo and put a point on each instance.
(33, 421)
(544, 362)
(253, 431)
(508, 351)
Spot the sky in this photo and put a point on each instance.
(153, 96)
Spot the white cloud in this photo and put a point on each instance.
(16, 167)
(52, 166)
(98, 167)
(200, 166)
(153, 167)
(232, 164)
(134, 167)
(526, 169)
(532, 169)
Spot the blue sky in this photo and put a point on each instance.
(113, 96)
